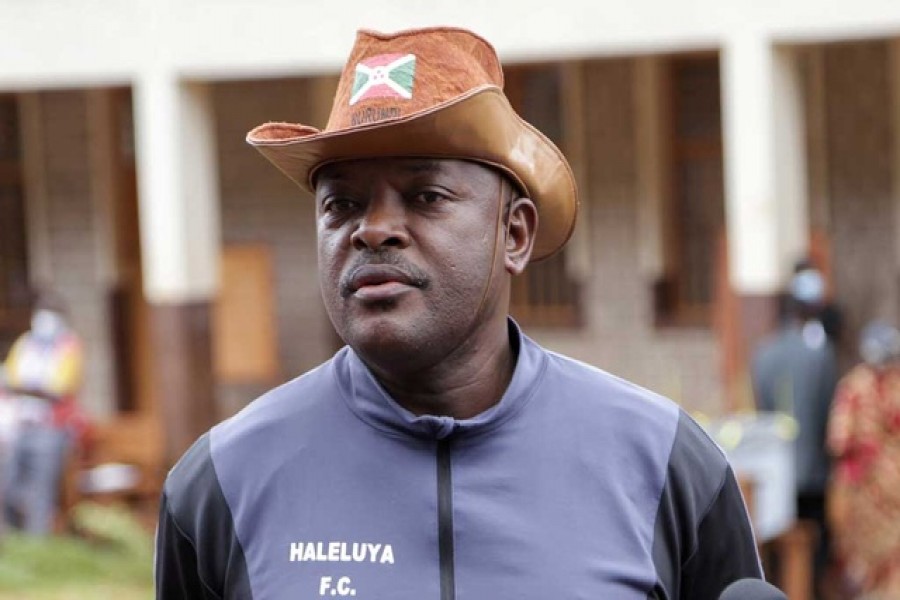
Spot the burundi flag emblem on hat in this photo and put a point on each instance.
(384, 76)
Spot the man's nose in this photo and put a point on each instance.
(383, 224)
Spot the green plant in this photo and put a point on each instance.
(110, 557)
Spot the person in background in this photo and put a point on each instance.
(44, 371)
(795, 372)
(828, 313)
(864, 438)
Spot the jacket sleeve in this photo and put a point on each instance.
(703, 540)
(175, 566)
(198, 554)
(726, 549)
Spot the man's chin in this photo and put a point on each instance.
(385, 337)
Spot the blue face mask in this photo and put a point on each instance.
(808, 287)
(47, 324)
(879, 343)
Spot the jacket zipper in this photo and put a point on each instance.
(445, 520)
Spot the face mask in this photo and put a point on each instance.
(46, 324)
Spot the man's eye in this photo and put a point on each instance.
(339, 205)
(430, 197)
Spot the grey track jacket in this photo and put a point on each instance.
(576, 485)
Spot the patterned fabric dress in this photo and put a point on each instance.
(864, 436)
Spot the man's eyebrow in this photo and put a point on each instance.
(332, 173)
(423, 166)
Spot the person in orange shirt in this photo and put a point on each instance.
(44, 370)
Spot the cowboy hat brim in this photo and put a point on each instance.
(479, 125)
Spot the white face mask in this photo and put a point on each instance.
(46, 323)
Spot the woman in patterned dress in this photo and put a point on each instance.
(864, 438)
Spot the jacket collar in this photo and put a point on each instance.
(371, 402)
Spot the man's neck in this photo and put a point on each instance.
(462, 385)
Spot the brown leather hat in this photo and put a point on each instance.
(437, 93)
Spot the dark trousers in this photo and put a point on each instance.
(811, 507)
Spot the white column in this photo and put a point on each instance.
(652, 178)
(765, 164)
(178, 188)
(578, 256)
(790, 154)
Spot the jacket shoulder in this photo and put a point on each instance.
(197, 549)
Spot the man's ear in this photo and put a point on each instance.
(521, 228)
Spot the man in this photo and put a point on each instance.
(43, 371)
(795, 372)
(442, 453)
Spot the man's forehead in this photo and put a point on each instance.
(349, 169)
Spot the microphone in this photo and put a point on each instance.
(751, 589)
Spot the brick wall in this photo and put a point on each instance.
(72, 246)
(261, 205)
(619, 335)
(859, 146)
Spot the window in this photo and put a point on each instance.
(696, 213)
(545, 294)
(14, 290)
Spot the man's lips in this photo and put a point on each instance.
(377, 280)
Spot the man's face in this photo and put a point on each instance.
(407, 261)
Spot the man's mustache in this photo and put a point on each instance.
(412, 273)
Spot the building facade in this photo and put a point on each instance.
(713, 148)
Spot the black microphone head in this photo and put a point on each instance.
(751, 589)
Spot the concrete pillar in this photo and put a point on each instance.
(574, 106)
(765, 176)
(180, 246)
(790, 155)
(653, 182)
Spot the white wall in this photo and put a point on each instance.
(51, 43)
